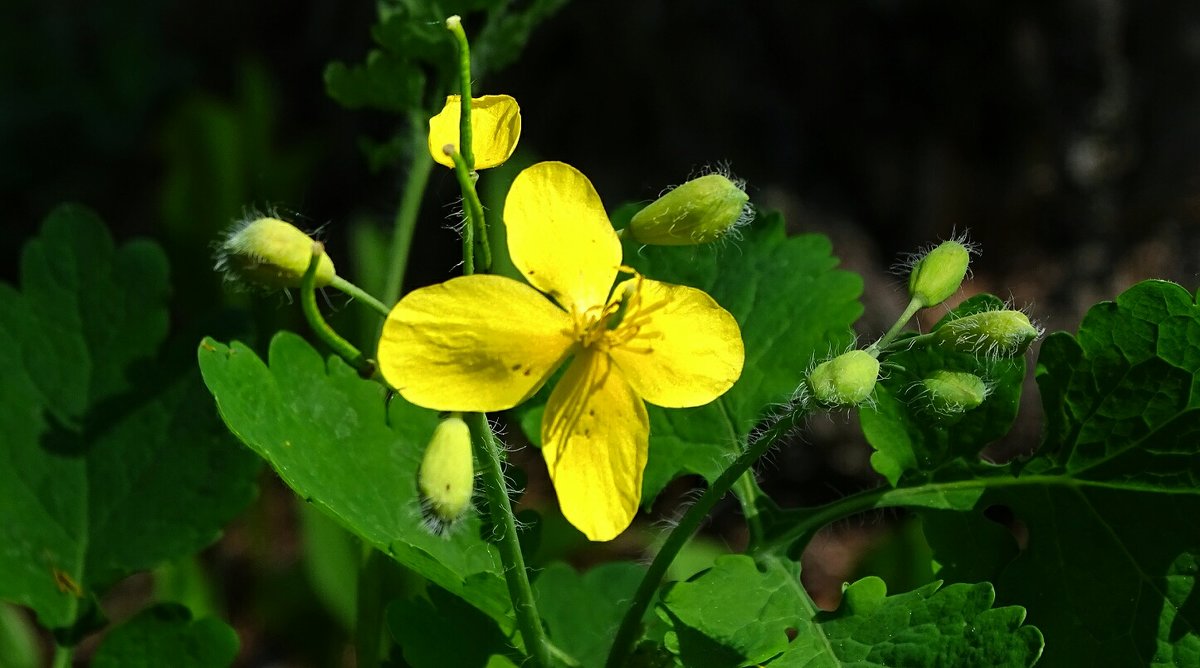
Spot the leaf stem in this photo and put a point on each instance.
(759, 442)
(747, 490)
(410, 207)
(914, 305)
(486, 451)
(465, 138)
(475, 228)
(308, 304)
(62, 656)
(368, 623)
(358, 293)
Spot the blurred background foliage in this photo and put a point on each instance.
(1065, 135)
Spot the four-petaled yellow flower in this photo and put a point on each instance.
(486, 343)
(495, 129)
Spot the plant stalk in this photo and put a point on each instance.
(308, 304)
(759, 443)
(486, 451)
(410, 207)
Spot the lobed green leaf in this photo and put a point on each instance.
(110, 463)
(341, 444)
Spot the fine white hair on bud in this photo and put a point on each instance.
(703, 210)
(846, 380)
(267, 252)
(446, 478)
(939, 273)
(995, 333)
(948, 393)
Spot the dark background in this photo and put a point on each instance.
(1065, 135)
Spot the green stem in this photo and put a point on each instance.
(760, 442)
(914, 305)
(747, 490)
(475, 225)
(358, 293)
(369, 638)
(62, 656)
(486, 451)
(409, 209)
(308, 304)
(465, 138)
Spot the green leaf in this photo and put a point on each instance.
(741, 613)
(385, 82)
(110, 465)
(166, 635)
(583, 611)
(1108, 509)
(341, 444)
(909, 437)
(442, 630)
(503, 38)
(792, 305)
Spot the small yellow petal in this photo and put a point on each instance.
(675, 344)
(473, 343)
(595, 434)
(559, 235)
(495, 129)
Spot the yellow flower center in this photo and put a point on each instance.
(618, 322)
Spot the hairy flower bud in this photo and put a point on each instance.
(846, 380)
(447, 475)
(939, 274)
(953, 392)
(270, 253)
(1005, 333)
(697, 212)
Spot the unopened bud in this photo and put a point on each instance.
(447, 475)
(953, 392)
(1005, 333)
(939, 274)
(846, 380)
(697, 212)
(270, 253)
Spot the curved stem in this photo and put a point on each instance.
(308, 304)
(465, 139)
(914, 305)
(486, 451)
(358, 293)
(410, 206)
(760, 442)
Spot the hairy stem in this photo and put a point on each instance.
(760, 442)
(475, 226)
(486, 451)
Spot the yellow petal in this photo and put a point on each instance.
(675, 344)
(559, 235)
(594, 437)
(473, 343)
(495, 129)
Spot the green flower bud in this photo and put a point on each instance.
(1004, 333)
(697, 212)
(447, 475)
(846, 380)
(270, 253)
(939, 274)
(953, 392)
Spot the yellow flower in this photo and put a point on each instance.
(486, 343)
(495, 129)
